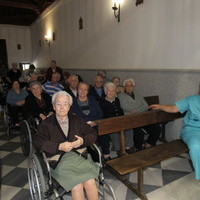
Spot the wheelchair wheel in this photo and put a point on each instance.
(106, 191)
(26, 138)
(36, 179)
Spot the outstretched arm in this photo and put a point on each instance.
(166, 108)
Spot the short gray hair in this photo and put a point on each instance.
(108, 85)
(35, 83)
(59, 75)
(83, 83)
(128, 80)
(62, 93)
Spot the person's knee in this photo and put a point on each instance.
(194, 145)
(90, 183)
(77, 188)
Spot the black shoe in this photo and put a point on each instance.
(130, 151)
(107, 159)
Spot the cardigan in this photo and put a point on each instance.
(33, 109)
(111, 109)
(95, 110)
(50, 134)
(128, 104)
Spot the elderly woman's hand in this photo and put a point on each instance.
(78, 142)
(91, 123)
(21, 102)
(50, 113)
(65, 146)
(42, 116)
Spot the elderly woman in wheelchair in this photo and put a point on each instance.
(64, 136)
(38, 104)
(16, 99)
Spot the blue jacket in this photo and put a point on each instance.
(95, 110)
(12, 97)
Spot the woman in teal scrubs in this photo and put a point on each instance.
(190, 132)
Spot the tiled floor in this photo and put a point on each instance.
(172, 179)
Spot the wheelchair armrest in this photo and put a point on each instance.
(95, 154)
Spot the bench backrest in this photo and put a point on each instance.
(117, 124)
(152, 100)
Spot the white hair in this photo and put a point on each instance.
(109, 85)
(128, 80)
(62, 93)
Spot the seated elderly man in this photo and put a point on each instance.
(132, 102)
(73, 85)
(52, 69)
(37, 103)
(14, 73)
(97, 91)
(53, 86)
(63, 134)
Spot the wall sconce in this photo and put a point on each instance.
(116, 9)
(47, 39)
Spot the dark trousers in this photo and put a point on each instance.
(104, 141)
(153, 132)
(14, 113)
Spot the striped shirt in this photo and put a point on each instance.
(51, 88)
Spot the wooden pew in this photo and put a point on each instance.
(121, 123)
(139, 161)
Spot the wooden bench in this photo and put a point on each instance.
(141, 160)
(121, 123)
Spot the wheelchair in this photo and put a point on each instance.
(8, 121)
(43, 186)
(28, 129)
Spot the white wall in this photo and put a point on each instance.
(156, 43)
(15, 35)
(157, 34)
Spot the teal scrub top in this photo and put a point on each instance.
(191, 104)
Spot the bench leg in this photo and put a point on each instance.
(140, 177)
(122, 143)
(137, 190)
(162, 138)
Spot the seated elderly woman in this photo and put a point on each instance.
(16, 99)
(110, 106)
(86, 106)
(64, 134)
(38, 104)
